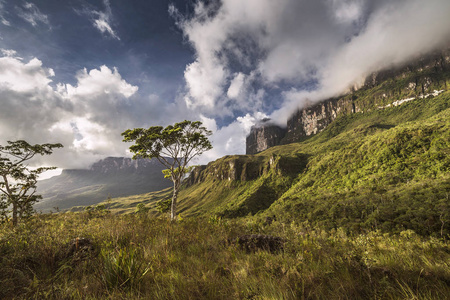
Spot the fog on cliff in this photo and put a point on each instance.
(251, 59)
(306, 51)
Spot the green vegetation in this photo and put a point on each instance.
(387, 169)
(137, 256)
(363, 209)
(375, 176)
(17, 180)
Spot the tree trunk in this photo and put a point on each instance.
(173, 209)
(14, 214)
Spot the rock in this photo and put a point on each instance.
(80, 249)
(264, 136)
(254, 242)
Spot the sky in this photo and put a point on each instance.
(81, 72)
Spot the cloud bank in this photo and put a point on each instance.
(253, 59)
(86, 118)
(303, 50)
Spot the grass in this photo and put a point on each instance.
(363, 207)
(382, 170)
(137, 256)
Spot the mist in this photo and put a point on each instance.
(306, 51)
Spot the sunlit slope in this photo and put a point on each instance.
(378, 175)
(384, 169)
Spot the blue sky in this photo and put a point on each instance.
(81, 72)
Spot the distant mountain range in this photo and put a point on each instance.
(110, 177)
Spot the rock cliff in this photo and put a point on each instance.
(263, 136)
(415, 79)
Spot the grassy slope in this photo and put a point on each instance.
(382, 169)
(376, 175)
(361, 159)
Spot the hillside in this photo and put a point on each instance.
(385, 168)
(110, 177)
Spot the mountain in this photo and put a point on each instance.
(110, 177)
(417, 79)
(383, 164)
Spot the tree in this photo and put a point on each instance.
(174, 146)
(17, 180)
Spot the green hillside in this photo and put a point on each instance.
(360, 210)
(386, 169)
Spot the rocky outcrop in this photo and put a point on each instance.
(416, 79)
(314, 119)
(263, 136)
(246, 168)
(229, 168)
(303, 123)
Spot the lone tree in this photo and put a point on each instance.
(17, 180)
(174, 146)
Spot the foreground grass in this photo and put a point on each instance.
(142, 257)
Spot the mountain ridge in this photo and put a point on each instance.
(109, 177)
(425, 75)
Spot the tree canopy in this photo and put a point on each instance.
(17, 180)
(174, 146)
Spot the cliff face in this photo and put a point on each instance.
(246, 168)
(264, 136)
(111, 165)
(415, 80)
(229, 168)
(316, 118)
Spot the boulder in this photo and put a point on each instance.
(254, 242)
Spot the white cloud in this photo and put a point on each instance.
(8, 52)
(102, 20)
(236, 86)
(31, 13)
(102, 25)
(204, 82)
(287, 45)
(86, 118)
(348, 11)
(229, 139)
(23, 77)
(102, 81)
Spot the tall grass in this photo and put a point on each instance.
(139, 257)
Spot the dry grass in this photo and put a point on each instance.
(141, 257)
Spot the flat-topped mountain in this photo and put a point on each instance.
(109, 177)
(420, 78)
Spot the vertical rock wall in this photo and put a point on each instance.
(314, 119)
(263, 136)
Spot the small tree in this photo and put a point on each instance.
(17, 180)
(174, 146)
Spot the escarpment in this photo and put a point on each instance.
(246, 168)
(423, 76)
